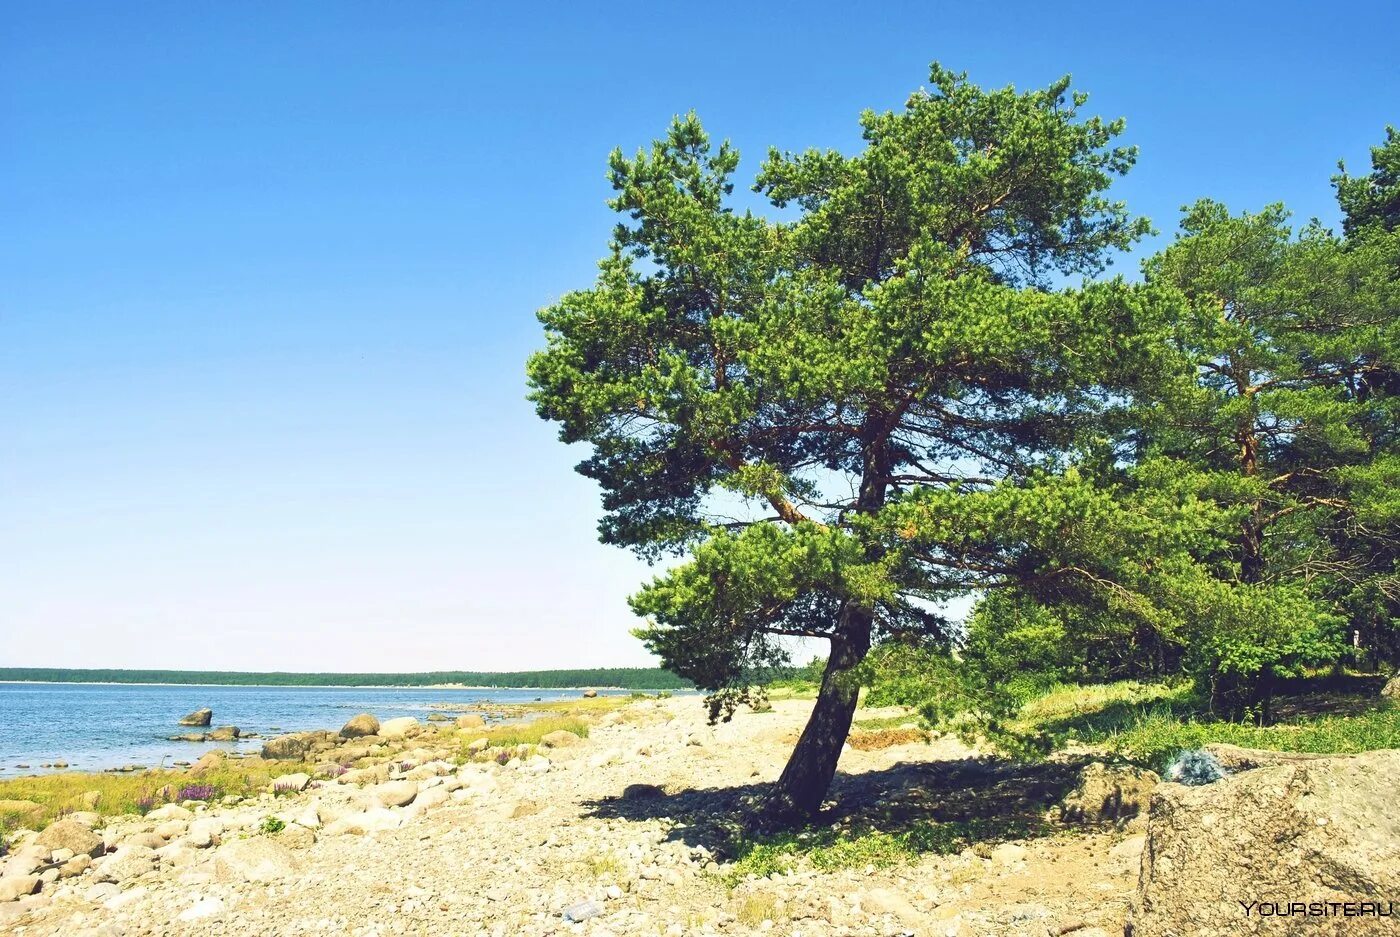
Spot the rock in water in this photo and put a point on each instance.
(361, 725)
(200, 717)
(589, 694)
(223, 734)
(1316, 831)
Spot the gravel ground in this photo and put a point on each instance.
(507, 850)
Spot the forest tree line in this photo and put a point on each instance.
(627, 678)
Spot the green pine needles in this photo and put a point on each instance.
(843, 419)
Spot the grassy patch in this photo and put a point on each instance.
(756, 908)
(595, 706)
(605, 865)
(1149, 723)
(63, 793)
(825, 849)
(875, 723)
(869, 740)
(531, 731)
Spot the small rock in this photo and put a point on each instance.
(204, 908)
(1008, 854)
(524, 808)
(14, 887)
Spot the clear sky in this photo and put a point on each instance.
(268, 275)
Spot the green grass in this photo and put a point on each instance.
(825, 849)
(1148, 723)
(529, 732)
(122, 793)
(876, 723)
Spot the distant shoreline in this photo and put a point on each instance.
(579, 678)
(346, 686)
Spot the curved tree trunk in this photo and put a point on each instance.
(809, 771)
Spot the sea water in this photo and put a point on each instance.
(93, 726)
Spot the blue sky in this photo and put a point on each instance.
(268, 275)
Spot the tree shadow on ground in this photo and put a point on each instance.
(984, 800)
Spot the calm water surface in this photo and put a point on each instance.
(95, 726)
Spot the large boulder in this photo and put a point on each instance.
(254, 860)
(130, 861)
(1391, 690)
(362, 725)
(394, 793)
(559, 738)
(200, 717)
(66, 834)
(286, 747)
(1311, 847)
(1108, 794)
(397, 728)
(471, 721)
(1233, 758)
(223, 734)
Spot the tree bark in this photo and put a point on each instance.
(809, 771)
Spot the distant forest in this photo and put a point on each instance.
(629, 678)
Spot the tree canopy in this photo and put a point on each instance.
(886, 396)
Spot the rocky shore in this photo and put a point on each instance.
(622, 832)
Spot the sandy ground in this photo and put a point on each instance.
(505, 850)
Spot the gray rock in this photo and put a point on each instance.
(204, 908)
(1234, 758)
(66, 834)
(14, 887)
(254, 860)
(1319, 830)
(394, 793)
(291, 747)
(129, 861)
